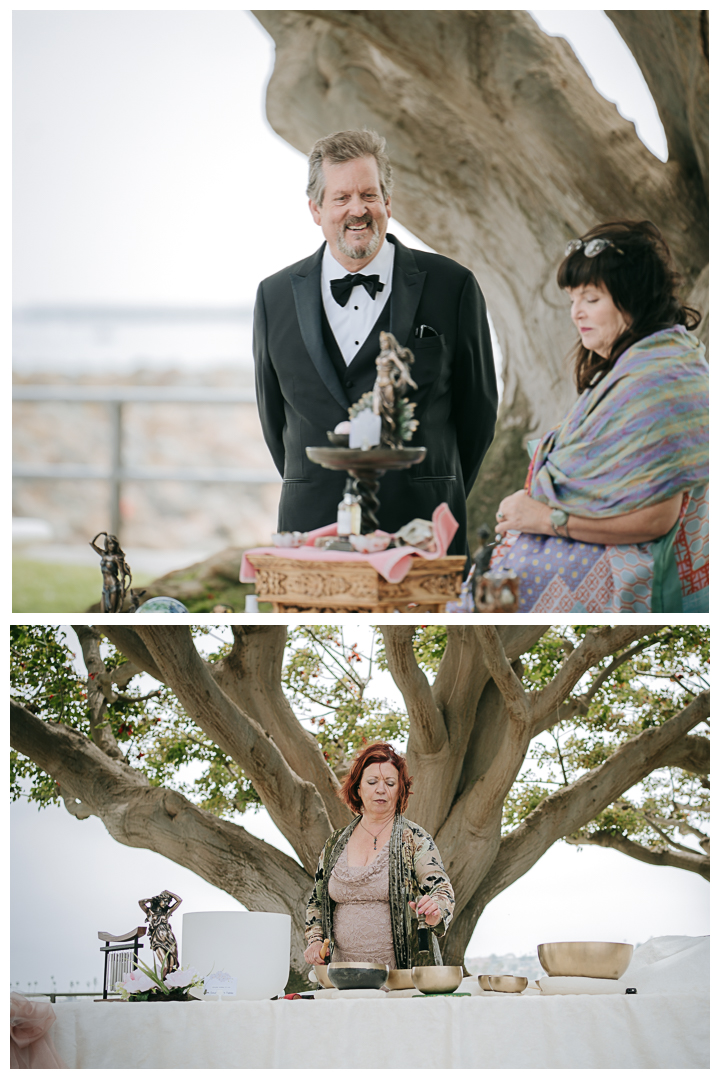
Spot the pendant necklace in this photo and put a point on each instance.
(375, 838)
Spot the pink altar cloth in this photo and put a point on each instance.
(31, 1045)
(392, 564)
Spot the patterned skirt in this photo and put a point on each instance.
(671, 574)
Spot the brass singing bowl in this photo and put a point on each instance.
(322, 976)
(357, 976)
(399, 979)
(437, 980)
(589, 959)
(503, 984)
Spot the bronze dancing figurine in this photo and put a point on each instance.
(116, 575)
(393, 378)
(158, 910)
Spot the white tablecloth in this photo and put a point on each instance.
(664, 1026)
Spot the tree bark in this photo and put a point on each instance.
(672, 51)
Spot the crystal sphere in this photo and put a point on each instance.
(161, 603)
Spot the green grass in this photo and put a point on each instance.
(39, 586)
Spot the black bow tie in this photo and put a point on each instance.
(342, 287)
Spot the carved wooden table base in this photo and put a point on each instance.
(337, 586)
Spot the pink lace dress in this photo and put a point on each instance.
(361, 922)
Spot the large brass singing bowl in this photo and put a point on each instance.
(590, 959)
(399, 979)
(503, 984)
(437, 980)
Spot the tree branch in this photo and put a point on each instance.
(429, 733)
(653, 823)
(566, 811)
(131, 645)
(691, 753)
(509, 685)
(99, 691)
(698, 864)
(292, 802)
(160, 819)
(595, 645)
(251, 676)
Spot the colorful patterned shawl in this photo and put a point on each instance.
(637, 437)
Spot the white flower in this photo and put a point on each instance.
(182, 977)
(135, 982)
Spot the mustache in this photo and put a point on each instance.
(364, 220)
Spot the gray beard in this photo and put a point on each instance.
(359, 252)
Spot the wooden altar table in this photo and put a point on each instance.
(355, 586)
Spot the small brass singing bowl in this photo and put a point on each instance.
(321, 972)
(437, 980)
(503, 984)
(588, 959)
(399, 979)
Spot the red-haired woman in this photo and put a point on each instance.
(378, 873)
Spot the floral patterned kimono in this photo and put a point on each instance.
(415, 868)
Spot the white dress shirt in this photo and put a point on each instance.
(352, 324)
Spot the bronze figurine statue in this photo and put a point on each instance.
(393, 378)
(116, 575)
(158, 910)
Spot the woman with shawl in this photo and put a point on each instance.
(378, 874)
(614, 516)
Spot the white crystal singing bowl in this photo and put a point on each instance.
(251, 946)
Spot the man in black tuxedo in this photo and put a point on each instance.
(316, 338)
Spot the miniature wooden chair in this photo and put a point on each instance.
(119, 957)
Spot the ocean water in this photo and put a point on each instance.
(76, 341)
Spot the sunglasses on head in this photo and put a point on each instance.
(591, 248)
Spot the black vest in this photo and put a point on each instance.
(359, 376)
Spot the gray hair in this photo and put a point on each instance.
(347, 146)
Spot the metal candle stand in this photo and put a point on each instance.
(366, 467)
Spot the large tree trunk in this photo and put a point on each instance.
(503, 150)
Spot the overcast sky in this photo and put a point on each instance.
(144, 168)
(73, 873)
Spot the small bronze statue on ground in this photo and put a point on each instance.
(393, 379)
(158, 910)
(497, 591)
(116, 575)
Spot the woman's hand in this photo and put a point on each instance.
(426, 906)
(312, 953)
(518, 511)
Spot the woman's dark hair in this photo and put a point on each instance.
(374, 754)
(642, 282)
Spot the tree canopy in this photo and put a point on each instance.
(516, 737)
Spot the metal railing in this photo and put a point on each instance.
(115, 397)
(53, 994)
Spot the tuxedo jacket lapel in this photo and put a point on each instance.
(408, 283)
(308, 300)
